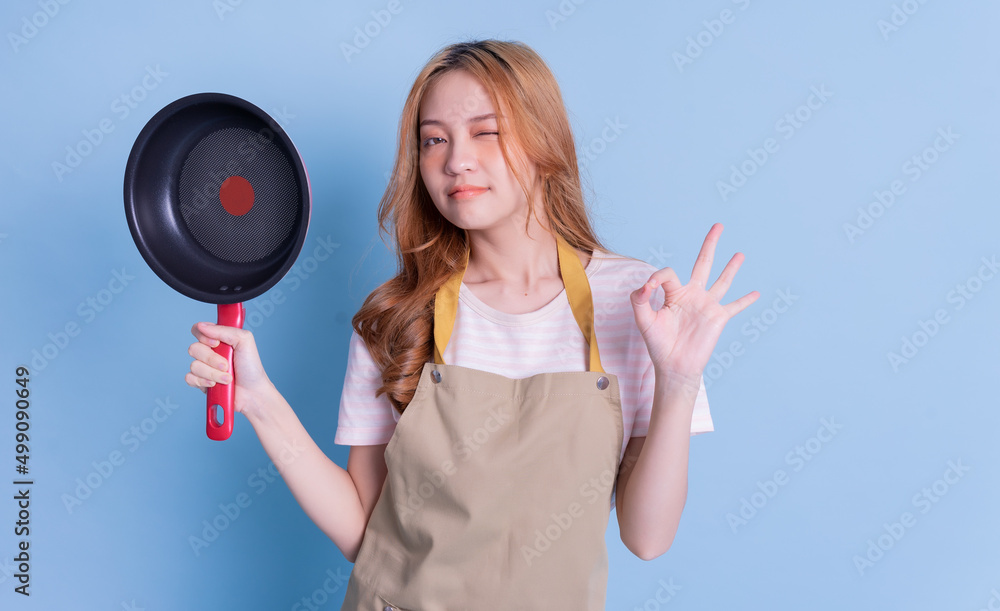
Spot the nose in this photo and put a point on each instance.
(461, 156)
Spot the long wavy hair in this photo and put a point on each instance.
(396, 320)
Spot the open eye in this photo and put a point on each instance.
(428, 141)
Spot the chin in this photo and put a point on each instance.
(471, 223)
(465, 219)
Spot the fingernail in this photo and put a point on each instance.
(226, 378)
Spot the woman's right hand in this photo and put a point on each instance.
(209, 368)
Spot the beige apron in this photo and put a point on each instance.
(498, 490)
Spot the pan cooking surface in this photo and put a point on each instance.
(238, 194)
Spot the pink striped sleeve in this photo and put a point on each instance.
(701, 420)
(364, 419)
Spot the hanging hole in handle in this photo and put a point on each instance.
(217, 414)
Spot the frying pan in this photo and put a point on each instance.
(218, 202)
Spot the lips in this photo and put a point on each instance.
(467, 191)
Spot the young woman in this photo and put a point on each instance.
(511, 380)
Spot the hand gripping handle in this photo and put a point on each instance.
(221, 397)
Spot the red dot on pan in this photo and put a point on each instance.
(236, 195)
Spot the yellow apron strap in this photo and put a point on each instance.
(578, 293)
(581, 301)
(446, 310)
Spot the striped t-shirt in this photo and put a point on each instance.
(520, 345)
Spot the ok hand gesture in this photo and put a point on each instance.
(682, 334)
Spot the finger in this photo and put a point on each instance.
(208, 356)
(735, 307)
(667, 279)
(196, 382)
(209, 374)
(201, 337)
(725, 279)
(223, 333)
(703, 264)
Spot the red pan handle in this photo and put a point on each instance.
(224, 395)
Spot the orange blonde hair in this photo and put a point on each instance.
(396, 320)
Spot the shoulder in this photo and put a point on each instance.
(612, 272)
(608, 262)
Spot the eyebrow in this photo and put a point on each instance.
(471, 120)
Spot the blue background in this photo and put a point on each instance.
(821, 354)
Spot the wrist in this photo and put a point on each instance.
(679, 379)
(261, 403)
(674, 398)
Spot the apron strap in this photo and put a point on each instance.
(578, 293)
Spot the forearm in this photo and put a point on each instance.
(325, 491)
(654, 497)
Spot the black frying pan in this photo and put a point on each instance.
(218, 202)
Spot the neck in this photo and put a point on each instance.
(511, 256)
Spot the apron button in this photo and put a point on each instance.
(436, 376)
(602, 383)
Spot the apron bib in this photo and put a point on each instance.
(498, 491)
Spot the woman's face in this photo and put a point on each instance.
(461, 163)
